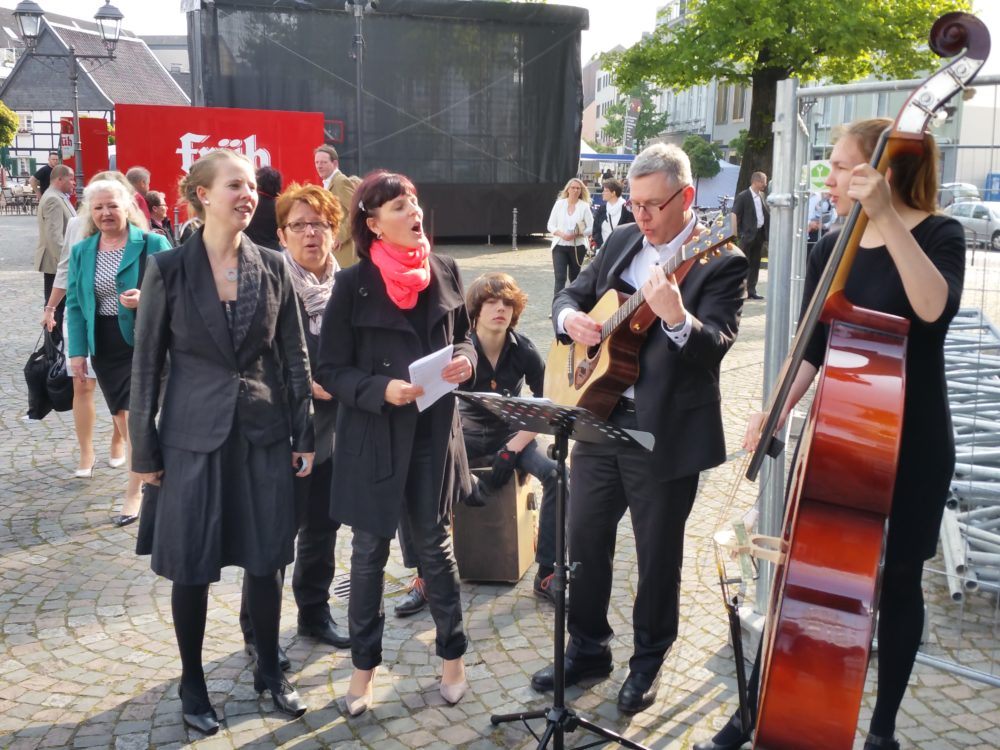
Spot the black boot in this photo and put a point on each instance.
(874, 742)
(197, 711)
(285, 698)
(730, 737)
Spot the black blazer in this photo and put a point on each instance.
(677, 395)
(746, 217)
(253, 377)
(365, 342)
(599, 218)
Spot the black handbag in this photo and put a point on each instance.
(36, 373)
(58, 382)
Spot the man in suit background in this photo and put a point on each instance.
(676, 398)
(54, 212)
(327, 164)
(752, 221)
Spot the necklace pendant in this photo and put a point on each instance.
(232, 274)
(493, 384)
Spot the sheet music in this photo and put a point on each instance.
(426, 372)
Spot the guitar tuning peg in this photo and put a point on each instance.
(703, 260)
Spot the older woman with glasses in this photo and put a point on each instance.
(307, 218)
(571, 223)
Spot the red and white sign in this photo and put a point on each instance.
(168, 140)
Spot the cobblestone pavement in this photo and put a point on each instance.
(87, 653)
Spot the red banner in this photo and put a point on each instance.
(168, 140)
(93, 144)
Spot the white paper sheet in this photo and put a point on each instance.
(426, 372)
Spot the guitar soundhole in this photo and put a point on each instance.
(593, 351)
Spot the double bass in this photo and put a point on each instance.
(825, 589)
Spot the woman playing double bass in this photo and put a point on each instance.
(911, 263)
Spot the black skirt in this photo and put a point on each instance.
(233, 506)
(112, 362)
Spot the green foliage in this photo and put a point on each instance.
(8, 125)
(760, 42)
(739, 144)
(704, 156)
(811, 39)
(649, 124)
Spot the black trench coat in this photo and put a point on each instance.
(365, 342)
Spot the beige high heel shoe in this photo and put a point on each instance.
(454, 692)
(358, 704)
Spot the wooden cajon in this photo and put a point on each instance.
(496, 542)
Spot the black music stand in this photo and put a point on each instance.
(562, 422)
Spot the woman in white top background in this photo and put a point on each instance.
(571, 223)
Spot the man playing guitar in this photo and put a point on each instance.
(676, 398)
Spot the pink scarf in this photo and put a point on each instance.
(406, 271)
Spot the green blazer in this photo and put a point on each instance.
(81, 302)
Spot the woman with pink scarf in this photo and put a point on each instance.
(394, 464)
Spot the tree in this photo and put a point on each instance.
(649, 123)
(704, 156)
(8, 125)
(760, 42)
(738, 145)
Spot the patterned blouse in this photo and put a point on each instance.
(105, 290)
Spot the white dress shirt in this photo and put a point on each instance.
(758, 207)
(638, 273)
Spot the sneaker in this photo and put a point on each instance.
(414, 601)
(542, 587)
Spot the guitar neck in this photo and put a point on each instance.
(634, 302)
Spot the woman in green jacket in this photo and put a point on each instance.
(102, 295)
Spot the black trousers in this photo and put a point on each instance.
(566, 261)
(753, 250)
(315, 550)
(431, 542)
(606, 481)
(48, 283)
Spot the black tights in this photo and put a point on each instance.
(900, 626)
(190, 609)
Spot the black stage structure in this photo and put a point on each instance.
(479, 102)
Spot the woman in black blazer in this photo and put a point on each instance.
(235, 423)
(392, 463)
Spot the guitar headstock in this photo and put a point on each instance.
(710, 242)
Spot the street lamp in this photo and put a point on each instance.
(359, 8)
(29, 17)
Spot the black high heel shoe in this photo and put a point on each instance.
(285, 697)
(204, 721)
(874, 742)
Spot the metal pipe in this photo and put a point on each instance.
(778, 322)
(74, 76)
(951, 538)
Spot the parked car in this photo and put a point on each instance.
(957, 192)
(981, 221)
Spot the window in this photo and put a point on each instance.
(979, 212)
(721, 104)
(739, 103)
(26, 122)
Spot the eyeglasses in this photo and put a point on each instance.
(300, 226)
(652, 209)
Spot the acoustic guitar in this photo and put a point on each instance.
(594, 377)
